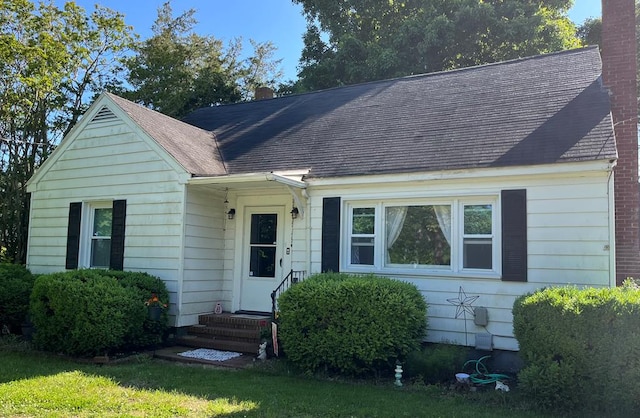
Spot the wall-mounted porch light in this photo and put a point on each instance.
(231, 214)
(294, 213)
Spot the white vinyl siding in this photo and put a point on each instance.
(104, 162)
(204, 255)
(569, 238)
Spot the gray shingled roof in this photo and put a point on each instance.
(193, 148)
(539, 110)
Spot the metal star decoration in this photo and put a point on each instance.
(463, 303)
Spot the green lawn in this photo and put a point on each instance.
(37, 384)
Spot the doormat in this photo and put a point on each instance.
(209, 354)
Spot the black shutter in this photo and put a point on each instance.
(116, 261)
(73, 235)
(514, 235)
(331, 234)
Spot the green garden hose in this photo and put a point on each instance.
(482, 375)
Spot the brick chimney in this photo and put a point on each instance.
(619, 76)
(263, 93)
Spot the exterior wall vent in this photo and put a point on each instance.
(104, 115)
(484, 342)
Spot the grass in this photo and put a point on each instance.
(38, 384)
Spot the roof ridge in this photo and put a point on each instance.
(413, 76)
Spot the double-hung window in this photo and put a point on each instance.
(100, 237)
(96, 234)
(455, 235)
(363, 235)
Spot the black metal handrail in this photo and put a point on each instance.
(292, 278)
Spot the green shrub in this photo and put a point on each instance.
(580, 347)
(350, 324)
(16, 283)
(90, 312)
(435, 363)
(144, 286)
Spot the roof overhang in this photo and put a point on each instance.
(286, 178)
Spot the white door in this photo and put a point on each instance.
(262, 258)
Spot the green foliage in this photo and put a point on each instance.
(51, 61)
(350, 324)
(16, 283)
(354, 41)
(435, 363)
(90, 312)
(177, 71)
(580, 347)
(144, 286)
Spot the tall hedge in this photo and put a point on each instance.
(91, 312)
(581, 347)
(16, 283)
(350, 324)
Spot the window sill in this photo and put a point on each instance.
(424, 273)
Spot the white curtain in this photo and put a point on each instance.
(443, 213)
(394, 220)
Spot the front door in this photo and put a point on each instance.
(262, 261)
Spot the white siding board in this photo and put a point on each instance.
(568, 205)
(568, 220)
(570, 262)
(583, 233)
(569, 247)
(204, 254)
(103, 163)
(568, 234)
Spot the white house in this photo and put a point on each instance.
(491, 181)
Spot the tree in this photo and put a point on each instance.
(177, 71)
(354, 41)
(590, 33)
(51, 61)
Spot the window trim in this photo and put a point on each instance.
(457, 246)
(86, 238)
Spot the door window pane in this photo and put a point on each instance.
(262, 257)
(263, 261)
(263, 228)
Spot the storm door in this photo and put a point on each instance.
(262, 269)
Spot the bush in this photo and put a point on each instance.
(90, 312)
(581, 348)
(435, 363)
(16, 283)
(144, 286)
(350, 324)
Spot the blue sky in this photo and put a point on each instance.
(278, 21)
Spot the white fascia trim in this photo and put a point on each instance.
(252, 177)
(549, 169)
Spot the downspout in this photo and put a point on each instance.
(178, 317)
(612, 226)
